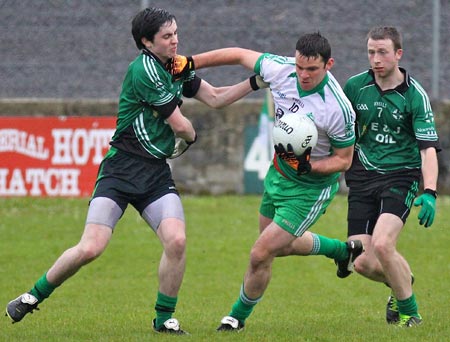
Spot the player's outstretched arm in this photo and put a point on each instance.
(181, 66)
(218, 97)
(227, 56)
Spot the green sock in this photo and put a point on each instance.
(408, 306)
(243, 306)
(165, 307)
(331, 248)
(42, 288)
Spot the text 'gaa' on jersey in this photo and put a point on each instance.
(295, 129)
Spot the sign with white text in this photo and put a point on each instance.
(52, 156)
(259, 148)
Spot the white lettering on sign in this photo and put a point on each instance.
(45, 157)
(74, 146)
(13, 140)
(258, 157)
(52, 182)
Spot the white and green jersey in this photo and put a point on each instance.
(391, 126)
(147, 99)
(326, 104)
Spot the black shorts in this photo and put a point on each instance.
(368, 200)
(133, 179)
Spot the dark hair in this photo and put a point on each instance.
(147, 23)
(386, 32)
(314, 45)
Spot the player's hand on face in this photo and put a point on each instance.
(180, 66)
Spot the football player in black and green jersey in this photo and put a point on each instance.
(150, 129)
(396, 144)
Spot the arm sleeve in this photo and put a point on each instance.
(191, 87)
(423, 122)
(167, 109)
(425, 144)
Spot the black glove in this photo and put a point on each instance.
(300, 163)
(257, 82)
(180, 66)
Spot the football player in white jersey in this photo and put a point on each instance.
(297, 188)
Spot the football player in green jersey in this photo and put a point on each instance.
(396, 144)
(297, 188)
(150, 129)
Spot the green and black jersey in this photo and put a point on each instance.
(147, 99)
(391, 126)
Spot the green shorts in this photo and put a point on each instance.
(291, 205)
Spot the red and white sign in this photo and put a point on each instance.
(52, 156)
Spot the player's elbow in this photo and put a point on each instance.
(346, 164)
(215, 99)
(217, 104)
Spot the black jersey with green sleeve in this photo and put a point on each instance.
(391, 126)
(147, 99)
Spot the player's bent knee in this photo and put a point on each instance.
(364, 264)
(176, 246)
(89, 252)
(258, 257)
(383, 251)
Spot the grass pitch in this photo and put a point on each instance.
(112, 299)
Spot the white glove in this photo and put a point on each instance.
(181, 146)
